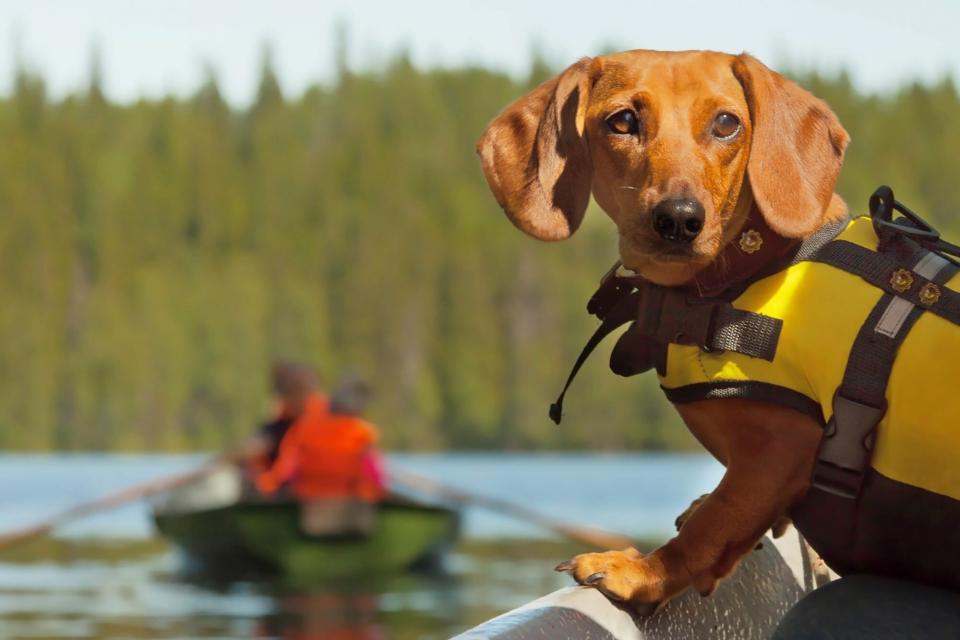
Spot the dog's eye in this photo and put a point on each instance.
(624, 122)
(725, 126)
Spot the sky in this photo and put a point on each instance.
(151, 48)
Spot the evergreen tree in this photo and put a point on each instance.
(155, 257)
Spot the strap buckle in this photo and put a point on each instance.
(847, 446)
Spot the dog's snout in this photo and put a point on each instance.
(678, 219)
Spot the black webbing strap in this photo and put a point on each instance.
(745, 332)
(672, 316)
(828, 513)
(879, 270)
(668, 316)
(860, 402)
(619, 313)
(662, 316)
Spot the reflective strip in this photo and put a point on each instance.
(930, 265)
(899, 308)
(893, 317)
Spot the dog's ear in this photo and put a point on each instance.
(535, 157)
(796, 150)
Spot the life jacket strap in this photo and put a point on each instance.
(859, 403)
(828, 513)
(618, 312)
(911, 267)
(662, 316)
(886, 272)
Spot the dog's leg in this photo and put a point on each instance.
(769, 453)
(683, 517)
(780, 526)
(776, 530)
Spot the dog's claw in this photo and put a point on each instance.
(613, 597)
(565, 566)
(594, 578)
(622, 576)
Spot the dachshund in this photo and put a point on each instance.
(679, 149)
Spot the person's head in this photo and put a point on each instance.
(351, 396)
(293, 383)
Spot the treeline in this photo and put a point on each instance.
(155, 257)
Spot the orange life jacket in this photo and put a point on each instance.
(274, 432)
(323, 455)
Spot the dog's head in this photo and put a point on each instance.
(676, 147)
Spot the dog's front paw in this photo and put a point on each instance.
(624, 576)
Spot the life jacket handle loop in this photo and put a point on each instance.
(882, 205)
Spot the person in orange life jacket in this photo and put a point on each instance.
(331, 454)
(294, 388)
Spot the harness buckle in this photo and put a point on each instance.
(847, 446)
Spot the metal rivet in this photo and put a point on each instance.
(901, 280)
(751, 241)
(929, 294)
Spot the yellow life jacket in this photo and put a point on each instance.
(859, 329)
(823, 309)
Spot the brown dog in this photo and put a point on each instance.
(679, 149)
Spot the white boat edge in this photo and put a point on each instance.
(747, 605)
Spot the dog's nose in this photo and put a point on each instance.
(678, 219)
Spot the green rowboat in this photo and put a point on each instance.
(221, 531)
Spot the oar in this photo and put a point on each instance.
(110, 501)
(592, 537)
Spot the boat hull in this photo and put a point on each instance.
(267, 536)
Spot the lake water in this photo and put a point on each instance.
(109, 576)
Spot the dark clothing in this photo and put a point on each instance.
(863, 607)
(274, 432)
